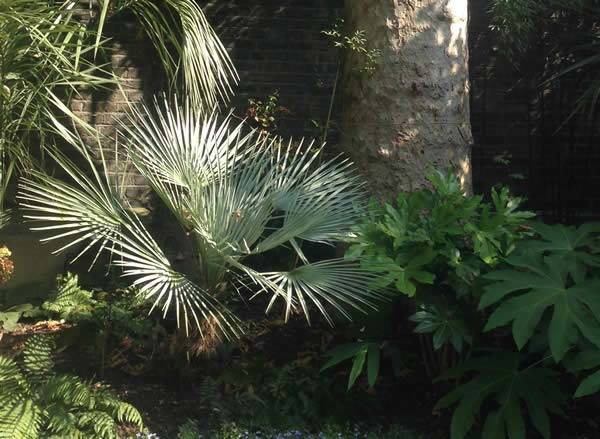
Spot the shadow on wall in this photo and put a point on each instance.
(412, 114)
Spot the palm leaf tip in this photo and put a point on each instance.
(340, 284)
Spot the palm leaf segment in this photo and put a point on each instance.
(187, 46)
(236, 195)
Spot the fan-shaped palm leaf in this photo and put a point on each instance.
(236, 195)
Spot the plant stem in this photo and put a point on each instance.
(332, 101)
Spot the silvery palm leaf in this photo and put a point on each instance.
(186, 44)
(236, 194)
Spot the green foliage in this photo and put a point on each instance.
(70, 301)
(434, 245)
(569, 32)
(439, 237)
(35, 401)
(265, 113)
(276, 395)
(473, 267)
(583, 361)
(191, 54)
(512, 388)
(260, 391)
(547, 283)
(354, 43)
(331, 430)
(49, 54)
(123, 310)
(110, 325)
(547, 290)
(444, 324)
(365, 356)
(236, 195)
(551, 275)
(44, 52)
(188, 430)
(11, 316)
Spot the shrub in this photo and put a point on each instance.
(473, 268)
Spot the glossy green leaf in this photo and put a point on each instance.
(357, 366)
(374, 358)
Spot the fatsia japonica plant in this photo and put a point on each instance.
(547, 291)
(235, 194)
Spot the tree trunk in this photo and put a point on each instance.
(412, 114)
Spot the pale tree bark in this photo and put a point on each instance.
(412, 114)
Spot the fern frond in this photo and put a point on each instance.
(70, 298)
(68, 390)
(13, 385)
(35, 401)
(101, 423)
(20, 421)
(37, 357)
(119, 410)
(63, 423)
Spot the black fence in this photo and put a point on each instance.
(527, 137)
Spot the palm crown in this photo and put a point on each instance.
(235, 194)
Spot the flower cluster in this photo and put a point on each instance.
(7, 266)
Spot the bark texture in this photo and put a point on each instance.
(412, 114)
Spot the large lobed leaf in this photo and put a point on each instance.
(512, 387)
(537, 284)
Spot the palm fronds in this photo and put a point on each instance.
(236, 194)
(186, 44)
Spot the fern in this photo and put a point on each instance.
(37, 358)
(20, 420)
(70, 299)
(189, 430)
(119, 410)
(63, 423)
(101, 423)
(68, 390)
(503, 381)
(34, 401)
(13, 384)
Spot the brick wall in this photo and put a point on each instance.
(276, 45)
(133, 60)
